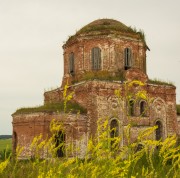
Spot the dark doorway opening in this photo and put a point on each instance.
(114, 131)
(15, 142)
(159, 131)
(60, 144)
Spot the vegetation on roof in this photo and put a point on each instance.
(101, 75)
(108, 25)
(161, 82)
(178, 109)
(53, 107)
(105, 24)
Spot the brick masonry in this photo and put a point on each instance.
(98, 96)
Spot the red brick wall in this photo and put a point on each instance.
(29, 126)
(112, 54)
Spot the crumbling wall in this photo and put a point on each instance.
(28, 126)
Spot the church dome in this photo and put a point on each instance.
(107, 27)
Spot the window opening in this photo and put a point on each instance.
(96, 58)
(114, 132)
(159, 130)
(142, 108)
(127, 57)
(131, 108)
(71, 63)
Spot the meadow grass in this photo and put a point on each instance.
(5, 143)
(5, 149)
(178, 109)
(104, 161)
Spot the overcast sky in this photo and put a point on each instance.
(32, 33)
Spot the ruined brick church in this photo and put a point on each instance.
(99, 59)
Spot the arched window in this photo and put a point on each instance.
(60, 144)
(71, 63)
(159, 130)
(143, 108)
(131, 107)
(127, 58)
(114, 126)
(114, 132)
(96, 58)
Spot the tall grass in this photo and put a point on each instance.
(5, 148)
(4, 143)
(103, 158)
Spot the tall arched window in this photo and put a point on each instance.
(71, 63)
(131, 107)
(114, 126)
(143, 108)
(96, 58)
(60, 144)
(127, 58)
(159, 130)
(114, 132)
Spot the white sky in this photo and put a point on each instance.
(32, 33)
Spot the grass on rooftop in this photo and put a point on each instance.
(161, 82)
(53, 107)
(108, 25)
(101, 75)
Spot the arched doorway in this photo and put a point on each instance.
(159, 130)
(60, 144)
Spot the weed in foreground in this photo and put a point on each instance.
(104, 158)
